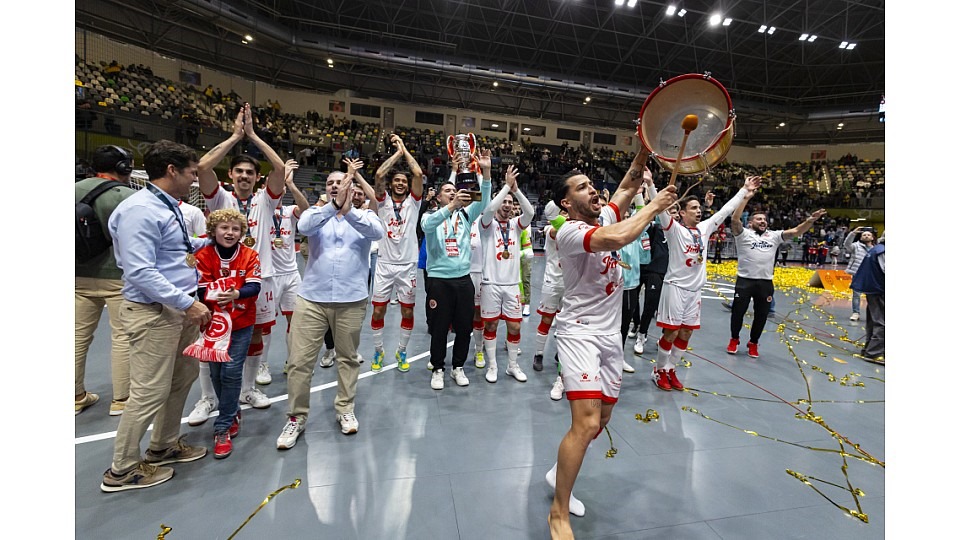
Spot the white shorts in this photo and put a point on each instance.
(550, 296)
(266, 304)
(476, 277)
(500, 302)
(286, 287)
(401, 278)
(592, 366)
(679, 308)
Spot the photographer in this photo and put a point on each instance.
(857, 244)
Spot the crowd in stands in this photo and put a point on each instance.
(319, 142)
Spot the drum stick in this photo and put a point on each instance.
(689, 124)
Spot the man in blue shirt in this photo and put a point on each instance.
(161, 315)
(870, 279)
(450, 296)
(333, 295)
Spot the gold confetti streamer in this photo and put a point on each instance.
(163, 531)
(612, 451)
(294, 485)
(651, 416)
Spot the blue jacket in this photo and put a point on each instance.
(870, 276)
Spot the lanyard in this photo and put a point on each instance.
(505, 235)
(245, 207)
(396, 209)
(176, 212)
(697, 239)
(456, 224)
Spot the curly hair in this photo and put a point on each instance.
(223, 216)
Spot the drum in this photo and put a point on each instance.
(659, 126)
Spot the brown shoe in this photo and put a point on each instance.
(178, 453)
(142, 476)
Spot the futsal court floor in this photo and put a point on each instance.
(790, 445)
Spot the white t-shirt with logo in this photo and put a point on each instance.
(593, 282)
(194, 219)
(551, 273)
(399, 245)
(756, 253)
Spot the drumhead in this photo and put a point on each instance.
(664, 110)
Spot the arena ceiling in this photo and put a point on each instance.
(547, 56)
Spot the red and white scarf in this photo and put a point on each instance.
(214, 341)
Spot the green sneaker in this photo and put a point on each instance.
(402, 363)
(479, 361)
(377, 363)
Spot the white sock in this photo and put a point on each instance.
(663, 357)
(405, 338)
(512, 350)
(250, 367)
(490, 350)
(206, 384)
(478, 339)
(576, 506)
(541, 342)
(378, 339)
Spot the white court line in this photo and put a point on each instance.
(332, 384)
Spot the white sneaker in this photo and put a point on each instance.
(855, 317)
(291, 432)
(517, 373)
(557, 391)
(627, 368)
(576, 506)
(436, 380)
(459, 376)
(255, 398)
(491, 375)
(348, 423)
(328, 358)
(201, 411)
(632, 332)
(429, 365)
(638, 346)
(263, 374)
(526, 310)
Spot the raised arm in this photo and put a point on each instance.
(206, 176)
(416, 182)
(790, 234)
(633, 180)
(751, 184)
(354, 166)
(380, 177)
(276, 176)
(736, 226)
(617, 235)
(526, 209)
(290, 168)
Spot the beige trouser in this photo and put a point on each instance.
(89, 297)
(160, 378)
(310, 322)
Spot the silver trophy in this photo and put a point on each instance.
(465, 146)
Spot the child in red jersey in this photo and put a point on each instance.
(229, 283)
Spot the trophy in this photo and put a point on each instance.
(465, 146)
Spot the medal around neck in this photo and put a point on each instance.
(249, 241)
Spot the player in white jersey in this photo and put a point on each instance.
(500, 288)
(286, 275)
(588, 324)
(194, 219)
(257, 207)
(551, 293)
(476, 275)
(756, 256)
(398, 252)
(679, 310)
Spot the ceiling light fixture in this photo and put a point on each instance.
(681, 13)
(248, 37)
(772, 30)
(618, 2)
(631, 3)
(782, 124)
(329, 60)
(843, 44)
(495, 83)
(812, 39)
(587, 99)
(715, 19)
(851, 46)
(763, 28)
(727, 21)
(671, 11)
(803, 37)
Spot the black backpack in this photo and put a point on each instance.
(91, 241)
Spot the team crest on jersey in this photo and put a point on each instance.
(584, 377)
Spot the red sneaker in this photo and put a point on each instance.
(222, 446)
(662, 379)
(752, 351)
(235, 426)
(674, 381)
(732, 346)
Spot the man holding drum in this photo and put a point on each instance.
(588, 324)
